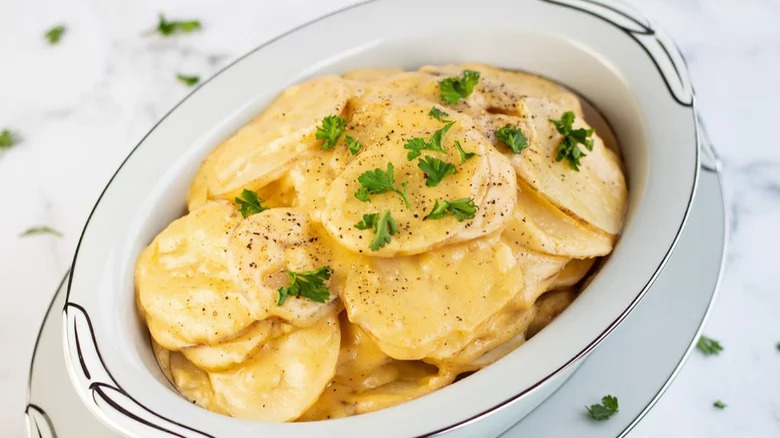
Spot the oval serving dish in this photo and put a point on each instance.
(602, 50)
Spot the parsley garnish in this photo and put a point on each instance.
(435, 170)
(353, 145)
(8, 139)
(462, 209)
(168, 28)
(417, 144)
(607, 408)
(378, 181)
(188, 80)
(778, 346)
(512, 137)
(567, 148)
(331, 129)
(307, 284)
(43, 229)
(464, 156)
(384, 227)
(55, 34)
(708, 346)
(453, 89)
(438, 114)
(250, 204)
(719, 404)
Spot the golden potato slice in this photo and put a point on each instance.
(418, 306)
(499, 91)
(550, 306)
(371, 74)
(266, 245)
(163, 357)
(540, 271)
(229, 353)
(384, 142)
(538, 224)
(596, 194)
(574, 271)
(284, 378)
(194, 384)
(312, 176)
(262, 151)
(184, 283)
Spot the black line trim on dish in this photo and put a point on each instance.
(42, 413)
(648, 30)
(117, 387)
(78, 350)
(632, 34)
(97, 388)
(40, 333)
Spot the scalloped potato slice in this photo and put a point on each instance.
(550, 305)
(163, 357)
(193, 383)
(234, 351)
(538, 224)
(264, 246)
(312, 176)
(395, 122)
(184, 284)
(284, 378)
(574, 271)
(418, 306)
(597, 194)
(499, 91)
(539, 271)
(372, 74)
(262, 151)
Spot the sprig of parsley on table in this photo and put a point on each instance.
(435, 170)
(455, 88)
(416, 145)
(353, 145)
(567, 148)
(438, 115)
(249, 203)
(307, 284)
(708, 346)
(42, 229)
(462, 209)
(54, 35)
(8, 139)
(607, 408)
(330, 130)
(188, 80)
(719, 404)
(513, 137)
(378, 181)
(384, 227)
(168, 28)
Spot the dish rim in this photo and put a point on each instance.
(579, 5)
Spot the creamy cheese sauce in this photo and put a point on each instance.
(442, 297)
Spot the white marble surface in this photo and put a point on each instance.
(82, 105)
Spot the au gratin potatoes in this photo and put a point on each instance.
(372, 237)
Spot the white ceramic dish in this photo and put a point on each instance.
(609, 55)
(648, 349)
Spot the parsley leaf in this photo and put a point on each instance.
(331, 129)
(307, 284)
(43, 229)
(512, 137)
(384, 227)
(188, 80)
(462, 209)
(719, 404)
(567, 148)
(378, 181)
(353, 145)
(250, 204)
(438, 114)
(453, 89)
(607, 408)
(464, 156)
(417, 144)
(168, 28)
(55, 34)
(8, 139)
(708, 346)
(778, 346)
(435, 170)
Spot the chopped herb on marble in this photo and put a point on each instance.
(8, 139)
(54, 35)
(719, 404)
(169, 28)
(42, 229)
(607, 408)
(709, 346)
(188, 80)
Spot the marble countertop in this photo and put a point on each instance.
(80, 107)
